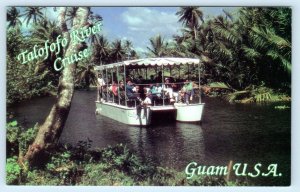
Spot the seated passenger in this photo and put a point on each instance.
(130, 93)
(152, 78)
(156, 90)
(159, 78)
(135, 88)
(169, 89)
(140, 80)
(114, 88)
(121, 90)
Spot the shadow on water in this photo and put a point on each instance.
(242, 133)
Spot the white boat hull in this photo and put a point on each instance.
(189, 113)
(128, 115)
(123, 114)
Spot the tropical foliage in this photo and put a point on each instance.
(158, 47)
(39, 77)
(13, 17)
(33, 13)
(81, 165)
(243, 50)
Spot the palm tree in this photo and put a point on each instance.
(13, 17)
(71, 14)
(15, 42)
(33, 13)
(45, 29)
(158, 46)
(49, 30)
(87, 75)
(269, 43)
(133, 54)
(190, 17)
(252, 50)
(117, 51)
(101, 50)
(51, 129)
(128, 48)
(94, 19)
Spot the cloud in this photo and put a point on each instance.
(151, 21)
(145, 22)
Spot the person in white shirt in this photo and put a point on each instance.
(147, 100)
(144, 104)
(100, 84)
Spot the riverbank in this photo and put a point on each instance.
(113, 166)
(80, 165)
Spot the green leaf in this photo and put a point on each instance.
(13, 124)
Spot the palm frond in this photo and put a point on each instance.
(219, 85)
(251, 52)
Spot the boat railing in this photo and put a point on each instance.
(158, 99)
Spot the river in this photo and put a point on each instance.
(243, 133)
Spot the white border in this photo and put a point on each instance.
(295, 89)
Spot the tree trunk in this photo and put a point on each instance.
(50, 131)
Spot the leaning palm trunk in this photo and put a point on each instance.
(50, 131)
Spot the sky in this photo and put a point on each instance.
(138, 24)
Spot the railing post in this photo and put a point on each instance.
(199, 73)
(106, 84)
(112, 80)
(125, 84)
(118, 85)
(163, 84)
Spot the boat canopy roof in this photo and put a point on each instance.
(137, 63)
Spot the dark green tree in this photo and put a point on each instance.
(13, 17)
(33, 14)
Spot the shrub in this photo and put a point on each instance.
(13, 170)
(18, 139)
(80, 165)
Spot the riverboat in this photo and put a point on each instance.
(125, 110)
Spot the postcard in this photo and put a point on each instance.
(148, 96)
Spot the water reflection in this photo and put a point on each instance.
(169, 145)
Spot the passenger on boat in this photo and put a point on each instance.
(100, 84)
(159, 78)
(114, 88)
(143, 105)
(152, 78)
(140, 80)
(181, 94)
(168, 88)
(121, 90)
(121, 86)
(135, 88)
(147, 100)
(130, 93)
(188, 91)
(156, 90)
